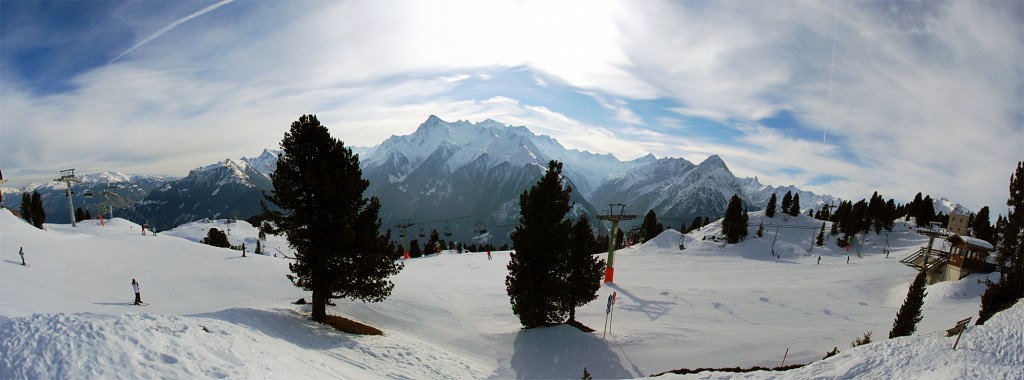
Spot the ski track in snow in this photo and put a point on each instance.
(214, 314)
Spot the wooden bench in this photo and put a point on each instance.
(960, 326)
(958, 330)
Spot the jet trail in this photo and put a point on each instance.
(172, 26)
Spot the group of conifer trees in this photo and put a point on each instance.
(32, 209)
(81, 215)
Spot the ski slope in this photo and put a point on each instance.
(214, 314)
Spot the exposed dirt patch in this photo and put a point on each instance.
(349, 326)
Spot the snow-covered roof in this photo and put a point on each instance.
(972, 241)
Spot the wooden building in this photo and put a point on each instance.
(966, 255)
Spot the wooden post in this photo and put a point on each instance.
(784, 358)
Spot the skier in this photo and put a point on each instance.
(488, 254)
(135, 287)
(847, 259)
(819, 259)
(21, 252)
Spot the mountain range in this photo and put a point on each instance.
(461, 177)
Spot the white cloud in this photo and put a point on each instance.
(926, 96)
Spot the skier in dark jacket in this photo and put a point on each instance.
(135, 287)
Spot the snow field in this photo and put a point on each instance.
(214, 314)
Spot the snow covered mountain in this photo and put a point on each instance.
(447, 170)
(948, 207)
(218, 190)
(108, 189)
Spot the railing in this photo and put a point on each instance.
(936, 259)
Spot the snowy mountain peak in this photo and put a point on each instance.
(714, 160)
(265, 163)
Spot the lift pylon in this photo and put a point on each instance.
(615, 218)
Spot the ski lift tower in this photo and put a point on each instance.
(609, 271)
(403, 224)
(934, 230)
(68, 176)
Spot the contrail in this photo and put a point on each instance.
(172, 26)
(831, 75)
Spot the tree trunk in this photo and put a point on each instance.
(319, 305)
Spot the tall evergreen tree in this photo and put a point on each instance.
(541, 239)
(982, 226)
(38, 214)
(696, 223)
(794, 207)
(583, 270)
(650, 228)
(1010, 256)
(912, 206)
(414, 248)
(318, 189)
(910, 313)
(787, 201)
(925, 213)
(770, 210)
(79, 215)
(26, 207)
(733, 224)
(821, 235)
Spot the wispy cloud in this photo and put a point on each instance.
(925, 96)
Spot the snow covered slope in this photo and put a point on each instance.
(213, 313)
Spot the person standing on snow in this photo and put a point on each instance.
(135, 287)
(21, 252)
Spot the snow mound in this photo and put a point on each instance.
(668, 239)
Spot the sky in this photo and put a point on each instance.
(837, 97)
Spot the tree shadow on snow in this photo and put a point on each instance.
(288, 325)
(561, 352)
(653, 309)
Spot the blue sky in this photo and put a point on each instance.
(838, 97)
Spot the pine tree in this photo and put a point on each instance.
(583, 270)
(318, 191)
(770, 210)
(38, 214)
(1010, 256)
(794, 207)
(650, 228)
(821, 235)
(88, 216)
(79, 215)
(216, 238)
(760, 230)
(733, 224)
(26, 207)
(912, 206)
(259, 248)
(586, 375)
(541, 240)
(910, 313)
(787, 202)
(696, 223)
(925, 212)
(982, 227)
(414, 248)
